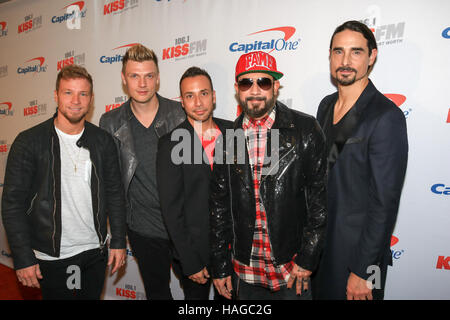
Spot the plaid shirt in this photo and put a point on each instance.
(261, 270)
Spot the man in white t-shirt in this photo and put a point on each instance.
(61, 187)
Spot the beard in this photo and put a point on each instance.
(345, 81)
(257, 112)
(73, 119)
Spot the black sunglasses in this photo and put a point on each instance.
(246, 83)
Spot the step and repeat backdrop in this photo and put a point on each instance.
(38, 38)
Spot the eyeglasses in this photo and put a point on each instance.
(246, 83)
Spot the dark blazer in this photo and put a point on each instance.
(184, 194)
(364, 187)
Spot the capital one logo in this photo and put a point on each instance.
(396, 254)
(6, 109)
(37, 66)
(399, 99)
(73, 15)
(446, 33)
(285, 43)
(448, 117)
(115, 58)
(441, 189)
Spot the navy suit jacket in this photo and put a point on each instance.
(364, 187)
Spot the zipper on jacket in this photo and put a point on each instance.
(54, 197)
(31, 205)
(231, 210)
(279, 160)
(102, 244)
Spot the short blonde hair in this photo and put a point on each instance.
(74, 71)
(139, 53)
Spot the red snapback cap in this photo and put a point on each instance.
(257, 61)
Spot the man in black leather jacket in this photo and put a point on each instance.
(55, 205)
(136, 127)
(267, 222)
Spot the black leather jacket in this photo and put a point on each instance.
(31, 201)
(294, 197)
(117, 123)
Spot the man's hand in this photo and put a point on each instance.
(358, 288)
(224, 286)
(116, 256)
(29, 276)
(200, 277)
(302, 276)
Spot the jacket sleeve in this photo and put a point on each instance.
(115, 196)
(221, 233)
(16, 199)
(171, 195)
(388, 156)
(316, 200)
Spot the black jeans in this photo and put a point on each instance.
(154, 257)
(80, 277)
(246, 291)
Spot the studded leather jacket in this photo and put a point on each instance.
(293, 193)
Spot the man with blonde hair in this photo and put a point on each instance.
(136, 127)
(61, 187)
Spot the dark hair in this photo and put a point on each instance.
(74, 71)
(360, 27)
(194, 72)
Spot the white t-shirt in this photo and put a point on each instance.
(78, 230)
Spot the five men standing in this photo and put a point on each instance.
(251, 211)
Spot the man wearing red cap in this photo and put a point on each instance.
(268, 198)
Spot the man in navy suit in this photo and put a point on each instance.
(367, 157)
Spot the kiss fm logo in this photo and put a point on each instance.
(119, 6)
(6, 109)
(185, 48)
(386, 34)
(118, 101)
(285, 43)
(75, 12)
(443, 263)
(37, 66)
(116, 58)
(396, 254)
(3, 29)
(399, 99)
(71, 58)
(129, 291)
(31, 23)
(35, 109)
